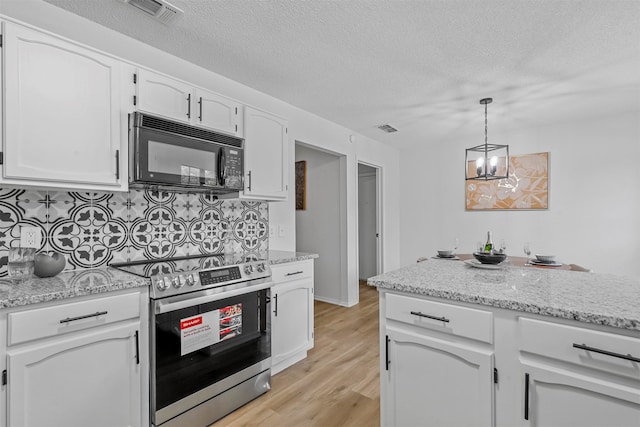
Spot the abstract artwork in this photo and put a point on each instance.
(301, 185)
(527, 187)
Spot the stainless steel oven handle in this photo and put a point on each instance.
(183, 301)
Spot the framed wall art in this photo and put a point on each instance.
(301, 185)
(527, 187)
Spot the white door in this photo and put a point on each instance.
(292, 319)
(217, 112)
(84, 379)
(556, 397)
(266, 152)
(62, 110)
(163, 96)
(431, 382)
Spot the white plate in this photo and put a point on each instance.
(544, 264)
(446, 257)
(477, 264)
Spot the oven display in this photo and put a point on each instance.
(219, 275)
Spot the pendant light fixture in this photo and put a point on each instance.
(486, 161)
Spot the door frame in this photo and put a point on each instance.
(379, 214)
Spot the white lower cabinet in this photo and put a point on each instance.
(438, 359)
(436, 364)
(432, 382)
(91, 371)
(291, 313)
(89, 379)
(578, 377)
(559, 397)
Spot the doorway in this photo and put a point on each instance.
(321, 225)
(369, 221)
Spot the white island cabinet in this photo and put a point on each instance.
(436, 364)
(64, 125)
(453, 363)
(578, 377)
(291, 313)
(80, 363)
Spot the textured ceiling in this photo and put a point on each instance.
(421, 66)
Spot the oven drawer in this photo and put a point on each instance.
(292, 271)
(447, 318)
(70, 317)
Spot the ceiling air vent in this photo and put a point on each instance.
(387, 128)
(159, 10)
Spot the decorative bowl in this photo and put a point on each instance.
(546, 258)
(489, 258)
(445, 254)
(49, 265)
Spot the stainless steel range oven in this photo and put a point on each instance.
(210, 341)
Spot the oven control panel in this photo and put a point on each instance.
(221, 275)
(183, 282)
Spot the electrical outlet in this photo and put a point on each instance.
(30, 237)
(281, 230)
(271, 231)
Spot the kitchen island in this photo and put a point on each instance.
(513, 346)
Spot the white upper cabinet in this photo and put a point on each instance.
(174, 99)
(266, 156)
(163, 96)
(62, 114)
(218, 112)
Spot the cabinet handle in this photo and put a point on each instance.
(249, 187)
(200, 108)
(86, 316)
(275, 308)
(189, 106)
(294, 273)
(137, 348)
(117, 164)
(608, 353)
(526, 396)
(386, 352)
(442, 319)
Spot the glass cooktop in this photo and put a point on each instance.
(150, 268)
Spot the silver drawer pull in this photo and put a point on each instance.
(294, 273)
(608, 353)
(442, 319)
(86, 316)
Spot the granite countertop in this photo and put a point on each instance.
(22, 291)
(603, 299)
(283, 257)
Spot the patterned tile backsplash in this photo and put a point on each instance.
(96, 229)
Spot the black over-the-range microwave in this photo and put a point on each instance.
(168, 155)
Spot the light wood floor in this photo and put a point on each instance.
(336, 385)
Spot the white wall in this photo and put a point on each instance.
(303, 126)
(594, 199)
(367, 227)
(318, 227)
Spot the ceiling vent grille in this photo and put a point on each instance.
(387, 128)
(159, 10)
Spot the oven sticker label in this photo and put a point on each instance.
(205, 329)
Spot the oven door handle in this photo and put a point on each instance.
(189, 300)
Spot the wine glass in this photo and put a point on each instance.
(456, 242)
(503, 246)
(527, 251)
